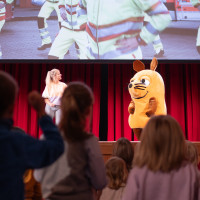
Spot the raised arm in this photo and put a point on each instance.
(42, 153)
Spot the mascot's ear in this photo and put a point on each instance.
(153, 64)
(138, 66)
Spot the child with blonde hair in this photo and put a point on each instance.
(117, 174)
(161, 170)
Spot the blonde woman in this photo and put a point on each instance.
(53, 93)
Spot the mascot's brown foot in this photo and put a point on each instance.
(137, 132)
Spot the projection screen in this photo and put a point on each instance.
(94, 29)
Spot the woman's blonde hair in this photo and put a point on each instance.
(75, 106)
(123, 149)
(191, 153)
(116, 172)
(50, 76)
(162, 145)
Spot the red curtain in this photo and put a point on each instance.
(32, 77)
(182, 96)
(182, 86)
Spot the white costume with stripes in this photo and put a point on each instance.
(157, 44)
(71, 31)
(109, 21)
(48, 7)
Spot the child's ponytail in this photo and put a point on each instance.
(76, 100)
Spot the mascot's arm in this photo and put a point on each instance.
(131, 107)
(152, 107)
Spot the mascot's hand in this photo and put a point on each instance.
(137, 132)
(131, 107)
(152, 107)
(63, 13)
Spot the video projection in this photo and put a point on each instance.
(100, 29)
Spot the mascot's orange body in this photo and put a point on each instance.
(147, 92)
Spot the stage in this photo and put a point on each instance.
(107, 147)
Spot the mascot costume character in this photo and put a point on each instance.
(147, 92)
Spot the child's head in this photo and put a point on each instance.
(53, 76)
(191, 153)
(8, 91)
(76, 107)
(123, 149)
(162, 145)
(116, 172)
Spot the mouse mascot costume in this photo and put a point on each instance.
(147, 92)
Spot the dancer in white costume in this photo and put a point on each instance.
(115, 28)
(53, 93)
(157, 43)
(71, 32)
(48, 7)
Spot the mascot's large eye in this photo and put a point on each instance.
(145, 82)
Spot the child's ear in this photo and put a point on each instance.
(138, 66)
(153, 64)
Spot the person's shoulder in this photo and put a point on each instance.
(187, 166)
(92, 137)
(62, 83)
(107, 191)
(135, 171)
(91, 141)
(187, 170)
(18, 138)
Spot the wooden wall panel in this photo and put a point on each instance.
(107, 147)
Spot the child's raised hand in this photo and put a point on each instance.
(37, 102)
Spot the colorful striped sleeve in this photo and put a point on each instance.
(82, 13)
(82, 9)
(159, 19)
(61, 4)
